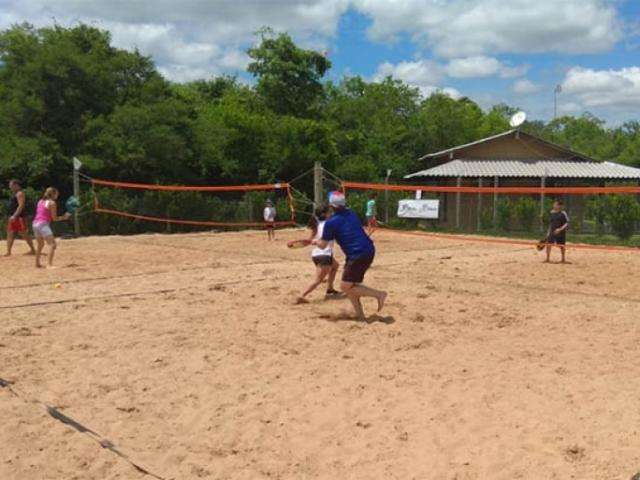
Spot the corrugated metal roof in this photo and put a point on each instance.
(530, 168)
(517, 132)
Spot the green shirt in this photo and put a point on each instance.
(371, 208)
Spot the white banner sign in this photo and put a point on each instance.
(418, 209)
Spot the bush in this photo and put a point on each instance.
(524, 210)
(486, 219)
(503, 211)
(623, 215)
(598, 209)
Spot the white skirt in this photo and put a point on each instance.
(42, 230)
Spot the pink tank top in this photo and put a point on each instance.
(43, 214)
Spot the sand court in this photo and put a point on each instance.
(188, 353)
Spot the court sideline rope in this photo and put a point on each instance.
(133, 294)
(507, 241)
(80, 428)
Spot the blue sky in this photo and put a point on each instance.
(492, 51)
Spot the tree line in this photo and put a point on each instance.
(68, 92)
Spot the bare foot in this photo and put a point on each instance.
(39, 266)
(546, 261)
(381, 300)
(52, 267)
(31, 253)
(301, 300)
(7, 255)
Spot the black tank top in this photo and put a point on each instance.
(557, 219)
(13, 206)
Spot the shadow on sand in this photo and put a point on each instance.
(348, 317)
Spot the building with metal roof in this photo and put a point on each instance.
(553, 168)
(513, 158)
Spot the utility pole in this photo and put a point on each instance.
(76, 193)
(556, 91)
(318, 194)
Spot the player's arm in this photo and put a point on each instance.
(328, 234)
(563, 227)
(53, 208)
(21, 201)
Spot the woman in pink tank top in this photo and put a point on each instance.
(46, 212)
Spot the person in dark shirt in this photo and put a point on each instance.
(345, 228)
(17, 218)
(557, 233)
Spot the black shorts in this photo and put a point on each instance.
(559, 239)
(270, 225)
(354, 270)
(323, 260)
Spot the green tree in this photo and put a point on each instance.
(289, 77)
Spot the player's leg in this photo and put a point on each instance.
(321, 273)
(548, 249)
(352, 285)
(348, 289)
(332, 277)
(562, 254)
(51, 243)
(27, 238)
(359, 290)
(39, 248)
(10, 240)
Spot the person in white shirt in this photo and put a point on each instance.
(326, 265)
(269, 215)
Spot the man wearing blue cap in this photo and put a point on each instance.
(345, 227)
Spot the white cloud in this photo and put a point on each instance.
(425, 75)
(192, 38)
(461, 28)
(482, 66)
(618, 89)
(420, 72)
(525, 86)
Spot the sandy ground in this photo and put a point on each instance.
(186, 352)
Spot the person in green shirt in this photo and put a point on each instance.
(370, 213)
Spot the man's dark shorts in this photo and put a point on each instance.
(559, 239)
(354, 270)
(323, 260)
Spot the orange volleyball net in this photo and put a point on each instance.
(597, 214)
(135, 207)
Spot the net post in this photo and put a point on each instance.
(76, 193)
(317, 185)
(495, 202)
(543, 182)
(479, 227)
(458, 198)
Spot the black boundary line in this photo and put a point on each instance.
(133, 275)
(209, 250)
(106, 277)
(133, 294)
(78, 427)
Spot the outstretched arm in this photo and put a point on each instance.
(53, 208)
